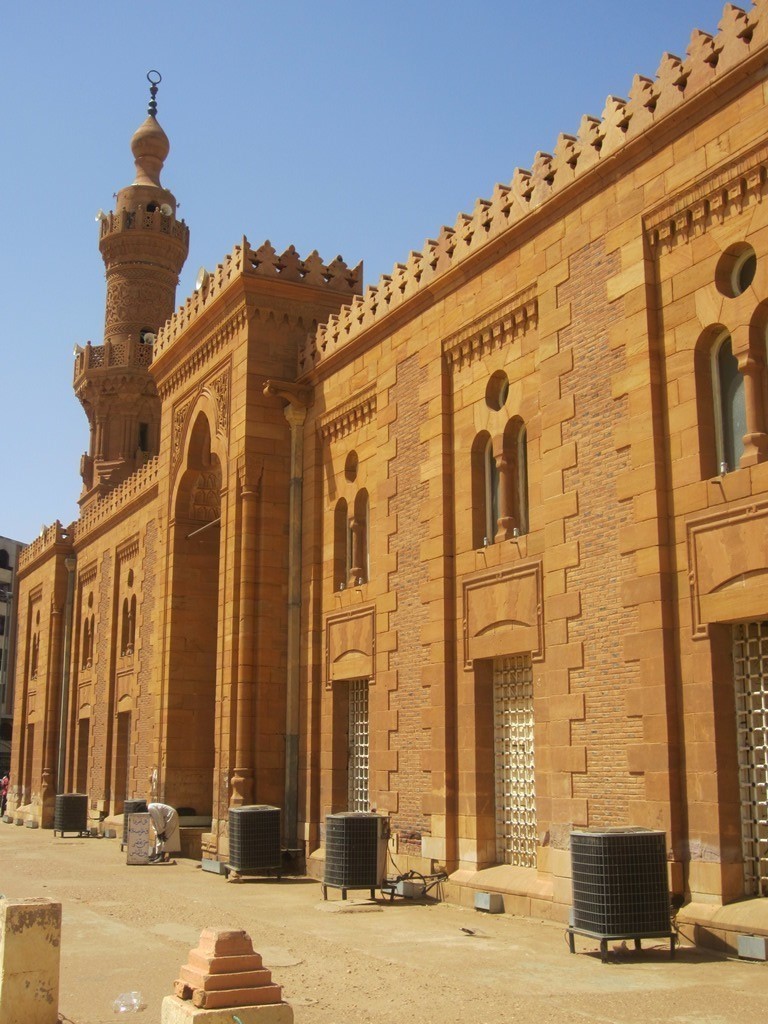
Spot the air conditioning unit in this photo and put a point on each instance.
(71, 814)
(131, 807)
(355, 851)
(620, 887)
(254, 840)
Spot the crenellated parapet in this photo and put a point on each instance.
(126, 353)
(143, 220)
(264, 262)
(131, 489)
(741, 35)
(50, 537)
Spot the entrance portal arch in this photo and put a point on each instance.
(193, 624)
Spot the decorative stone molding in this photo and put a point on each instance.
(715, 197)
(350, 645)
(87, 575)
(349, 416)
(728, 566)
(128, 550)
(224, 331)
(493, 330)
(502, 612)
(249, 473)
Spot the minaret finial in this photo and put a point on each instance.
(154, 78)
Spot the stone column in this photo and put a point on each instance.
(357, 569)
(755, 440)
(505, 523)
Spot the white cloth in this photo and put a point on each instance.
(165, 821)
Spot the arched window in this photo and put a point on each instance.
(132, 625)
(479, 490)
(124, 628)
(520, 506)
(729, 405)
(492, 503)
(513, 519)
(87, 642)
(128, 627)
(358, 539)
(340, 546)
(35, 655)
(500, 486)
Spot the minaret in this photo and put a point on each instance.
(143, 246)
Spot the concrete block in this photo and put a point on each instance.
(216, 867)
(30, 944)
(177, 1011)
(490, 902)
(752, 947)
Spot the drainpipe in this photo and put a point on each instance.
(295, 412)
(295, 415)
(70, 562)
(242, 781)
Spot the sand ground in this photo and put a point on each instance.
(127, 928)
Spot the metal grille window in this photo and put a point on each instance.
(513, 758)
(750, 661)
(358, 746)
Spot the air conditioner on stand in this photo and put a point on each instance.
(355, 851)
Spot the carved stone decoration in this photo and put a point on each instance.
(503, 613)
(711, 200)
(126, 688)
(180, 417)
(219, 389)
(498, 327)
(148, 290)
(349, 416)
(350, 645)
(206, 496)
(728, 567)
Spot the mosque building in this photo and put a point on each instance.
(481, 546)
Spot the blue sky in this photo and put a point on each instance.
(356, 129)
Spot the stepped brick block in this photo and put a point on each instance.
(224, 964)
(224, 971)
(266, 994)
(209, 982)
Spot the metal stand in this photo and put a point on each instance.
(345, 888)
(233, 874)
(572, 932)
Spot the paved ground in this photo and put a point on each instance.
(131, 927)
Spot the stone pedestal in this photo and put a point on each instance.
(179, 1011)
(223, 973)
(30, 943)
